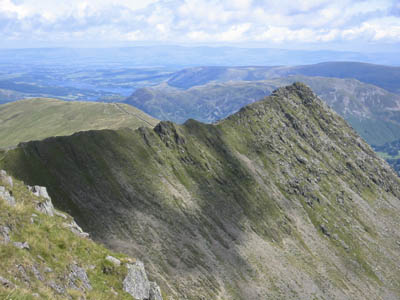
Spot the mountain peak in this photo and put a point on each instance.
(299, 89)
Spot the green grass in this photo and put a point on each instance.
(52, 246)
(36, 119)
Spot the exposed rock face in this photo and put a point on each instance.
(40, 191)
(78, 278)
(6, 179)
(75, 228)
(136, 282)
(6, 196)
(45, 207)
(155, 292)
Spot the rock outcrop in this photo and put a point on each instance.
(6, 196)
(137, 284)
(78, 278)
(45, 207)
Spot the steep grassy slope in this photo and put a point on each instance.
(282, 200)
(35, 119)
(372, 111)
(45, 268)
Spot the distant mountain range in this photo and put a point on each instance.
(386, 77)
(281, 200)
(372, 111)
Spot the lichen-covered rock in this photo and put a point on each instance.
(155, 291)
(113, 260)
(78, 278)
(136, 283)
(6, 196)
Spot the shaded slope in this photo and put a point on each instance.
(35, 119)
(372, 111)
(280, 201)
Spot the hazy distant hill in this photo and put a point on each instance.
(9, 96)
(282, 200)
(383, 76)
(36, 119)
(372, 111)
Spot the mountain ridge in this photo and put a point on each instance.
(372, 111)
(280, 200)
(35, 119)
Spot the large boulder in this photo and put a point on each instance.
(136, 283)
(45, 207)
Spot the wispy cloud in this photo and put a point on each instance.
(201, 21)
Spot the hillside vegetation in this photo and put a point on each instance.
(45, 255)
(282, 200)
(36, 119)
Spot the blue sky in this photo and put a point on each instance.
(325, 24)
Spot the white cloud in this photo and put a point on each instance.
(181, 21)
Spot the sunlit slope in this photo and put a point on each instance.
(39, 118)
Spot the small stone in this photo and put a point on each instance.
(6, 283)
(325, 230)
(48, 270)
(113, 260)
(23, 245)
(37, 273)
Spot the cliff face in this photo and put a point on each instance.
(280, 200)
